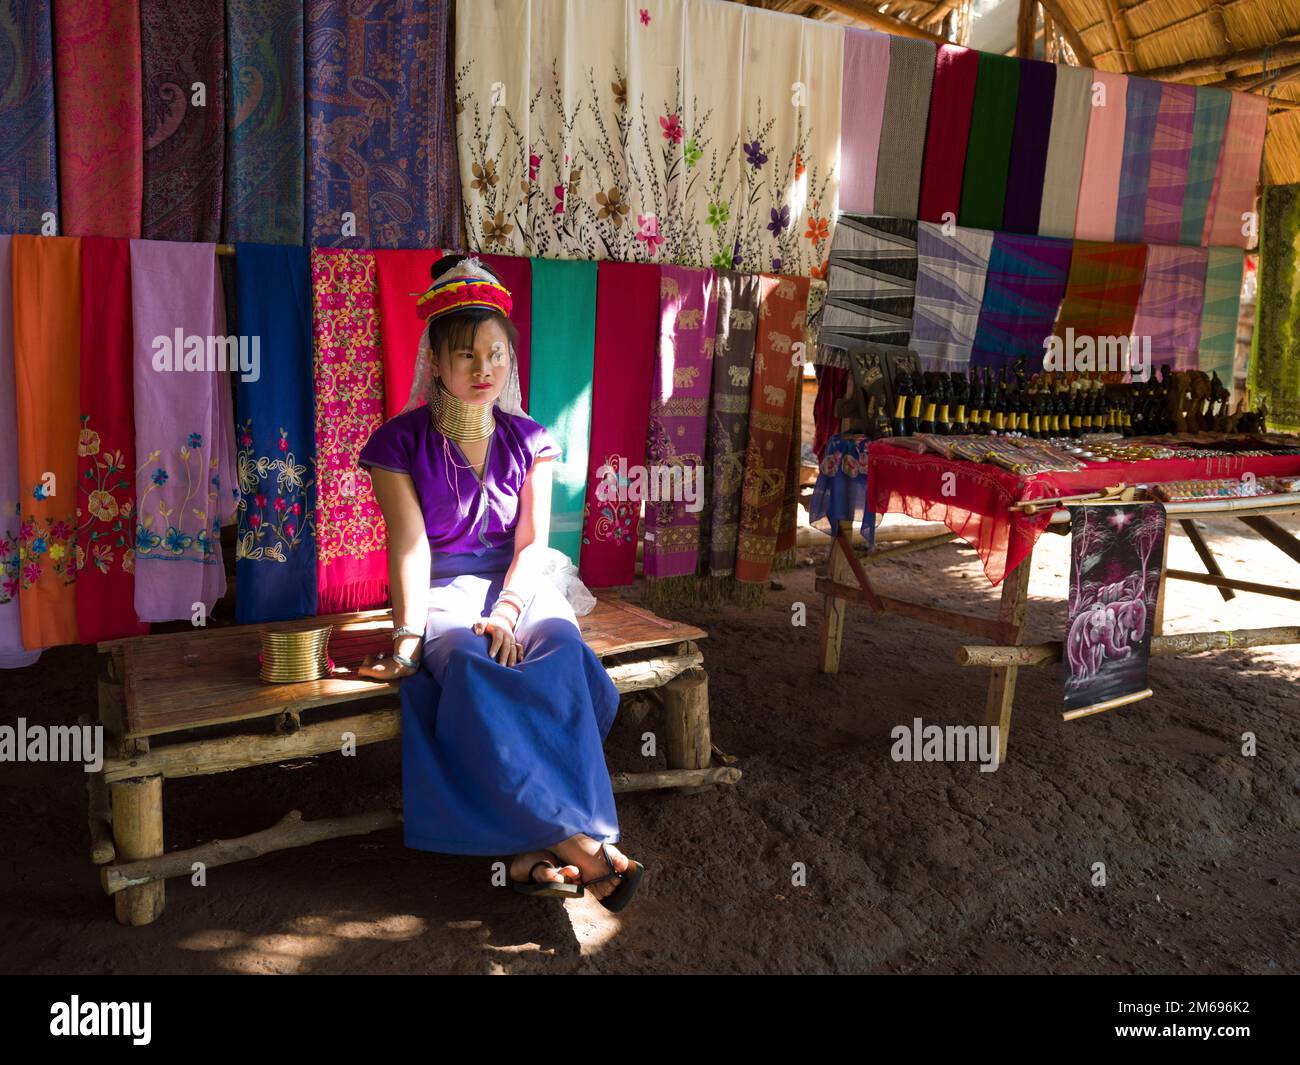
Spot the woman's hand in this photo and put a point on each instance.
(381, 667)
(502, 645)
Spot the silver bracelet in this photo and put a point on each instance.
(406, 630)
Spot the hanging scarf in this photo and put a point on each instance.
(627, 331)
(1219, 313)
(1171, 152)
(101, 149)
(902, 133)
(186, 483)
(183, 42)
(1243, 146)
(1208, 125)
(950, 275)
(832, 382)
(1142, 106)
(782, 312)
(264, 119)
(47, 341)
(1022, 293)
(951, 100)
(679, 406)
(380, 141)
(351, 538)
(788, 523)
(1103, 156)
(1170, 305)
(1275, 347)
(1101, 293)
(13, 655)
(516, 273)
(1071, 110)
(27, 137)
(563, 355)
(1027, 169)
(988, 152)
(275, 552)
(106, 448)
(398, 274)
(862, 113)
(733, 366)
(600, 152)
(871, 284)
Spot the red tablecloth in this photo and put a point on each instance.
(973, 500)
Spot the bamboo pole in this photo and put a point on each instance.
(137, 835)
(1178, 643)
(1109, 704)
(867, 15)
(1221, 582)
(289, 832)
(1280, 52)
(1067, 30)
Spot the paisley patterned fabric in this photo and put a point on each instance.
(264, 121)
(28, 174)
(609, 129)
(352, 539)
(381, 166)
(97, 85)
(183, 46)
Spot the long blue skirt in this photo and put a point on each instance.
(503, 759)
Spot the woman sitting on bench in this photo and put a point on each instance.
(504, 708)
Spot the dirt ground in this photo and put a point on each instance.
(911, 867)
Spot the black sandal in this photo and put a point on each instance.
(617, 899)
(545, 888)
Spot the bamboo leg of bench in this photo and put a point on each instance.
(686, 723)
(138, 833)
(833, 607)
(1002, 682)
(1158, 621)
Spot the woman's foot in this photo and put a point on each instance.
(584, 852)
(542, 874)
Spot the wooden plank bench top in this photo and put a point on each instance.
(184, 680)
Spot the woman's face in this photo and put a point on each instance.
(478, 375)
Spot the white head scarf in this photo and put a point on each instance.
(426, 375)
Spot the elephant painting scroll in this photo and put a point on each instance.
(1114, 579)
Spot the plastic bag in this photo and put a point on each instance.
(560, 571)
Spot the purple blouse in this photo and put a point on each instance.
(488, 512)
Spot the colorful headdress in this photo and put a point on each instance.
(466, 286)
(458, 292)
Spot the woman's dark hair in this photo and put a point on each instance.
(458, 330)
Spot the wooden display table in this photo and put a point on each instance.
(846, 580)
(200, 689)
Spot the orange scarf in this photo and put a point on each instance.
(47, 360)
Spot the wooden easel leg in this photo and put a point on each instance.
(833, 607)
(1158, 621)
(1208, 560)
(138, 833)
(1002, 681)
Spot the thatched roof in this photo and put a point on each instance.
(1197, 42)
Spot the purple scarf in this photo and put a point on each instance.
(184, 436)
(679, 405)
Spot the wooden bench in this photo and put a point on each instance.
(199, 692)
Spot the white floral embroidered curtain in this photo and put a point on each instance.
(683, 131)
